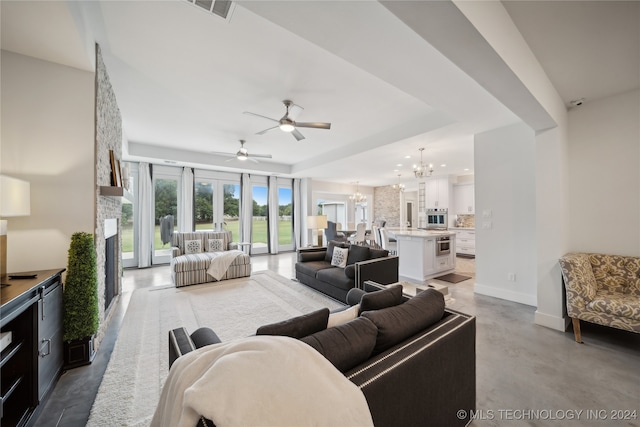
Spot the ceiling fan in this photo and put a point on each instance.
(242, 154)
(288, 124)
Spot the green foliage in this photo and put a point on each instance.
(80, 294)
(231, 202)
(127, 214)
(166, 195)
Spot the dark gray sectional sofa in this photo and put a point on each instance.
(314, 269)
(413, 359)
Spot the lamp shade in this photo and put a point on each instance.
(15, 197)
(315, 222)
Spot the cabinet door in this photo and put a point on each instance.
(50, 352)
(464, 199)
(437, 192)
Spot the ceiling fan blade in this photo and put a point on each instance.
(260, 115)
(219, 153)
(264, 156)
(262, 132)
(297, 135)
(233, 158)
(252, 160)
(315, 125)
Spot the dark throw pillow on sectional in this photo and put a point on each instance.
(381, 299)
(298, 327)
(346, 345)
(357, 253)
(398, 323)
(332, 244)
(378, 253)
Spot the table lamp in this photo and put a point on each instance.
(319, 223)
(15, 200)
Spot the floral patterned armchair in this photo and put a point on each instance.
(602, 289)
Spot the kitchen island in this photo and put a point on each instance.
(422, 254)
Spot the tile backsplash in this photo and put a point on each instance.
(466, 221)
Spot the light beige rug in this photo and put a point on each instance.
(138, 367)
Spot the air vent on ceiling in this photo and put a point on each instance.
(221, 8)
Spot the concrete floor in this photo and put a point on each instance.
(527, 375)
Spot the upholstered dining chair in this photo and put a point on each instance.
(374, 237)
(358, 237)
(392, 247)
(331, 233)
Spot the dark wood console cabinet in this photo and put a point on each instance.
(32, 362)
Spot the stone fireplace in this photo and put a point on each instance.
(111, 262)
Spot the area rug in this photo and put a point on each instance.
(138, 367)
(453, 278)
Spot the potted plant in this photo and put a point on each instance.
(80, 297)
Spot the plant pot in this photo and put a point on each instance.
(79, 352)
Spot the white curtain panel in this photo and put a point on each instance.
(145, 220)
(185, 205)
(274, 214)
(295, 213)
(246, 207)
(303, 212)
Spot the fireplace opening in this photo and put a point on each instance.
(110, 269)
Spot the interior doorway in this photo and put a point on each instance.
(409, 214)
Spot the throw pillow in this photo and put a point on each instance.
(357, 253)
(298, 327)
(343, 316)
(216, 245)
(330, 246)
(383, 298)
(397, 323)
(192, 246)
(346, 345)
(339, 258)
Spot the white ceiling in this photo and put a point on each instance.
(183, 77)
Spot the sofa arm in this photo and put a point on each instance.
(579, 281)
(311, 254)
(232, 245)
(431, 375)
(175, 251)
(180, 342)
(379, 270)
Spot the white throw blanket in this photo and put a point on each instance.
(220, 262)
(259, 381)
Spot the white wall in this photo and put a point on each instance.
(604, 175)
(506, 213)
(48, 140)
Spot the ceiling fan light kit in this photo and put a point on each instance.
(287, 122)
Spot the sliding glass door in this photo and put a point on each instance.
(217, 202)
(166, 193)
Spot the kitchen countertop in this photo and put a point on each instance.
(463, 228)
(415, 232)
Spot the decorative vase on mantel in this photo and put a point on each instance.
(80, 297)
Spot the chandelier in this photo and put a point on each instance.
(358, 197)
(399, 186)
(422, 170)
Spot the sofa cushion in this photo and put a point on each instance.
(383, 298)
(311, 268)
(201, 261)
(335, 276)
(332, 244)
(339, 258)
(616, 304)
(377, 253)
(398, 323)
(298, 327)
(357, 253)
(345, 345)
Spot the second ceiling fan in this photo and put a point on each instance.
(288, 124)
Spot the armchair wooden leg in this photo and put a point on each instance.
(576, 329)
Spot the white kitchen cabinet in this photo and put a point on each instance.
(437, 192)
(465, 242)
(464, 199)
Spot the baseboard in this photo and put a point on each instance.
(504, 294)
(552, 322)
